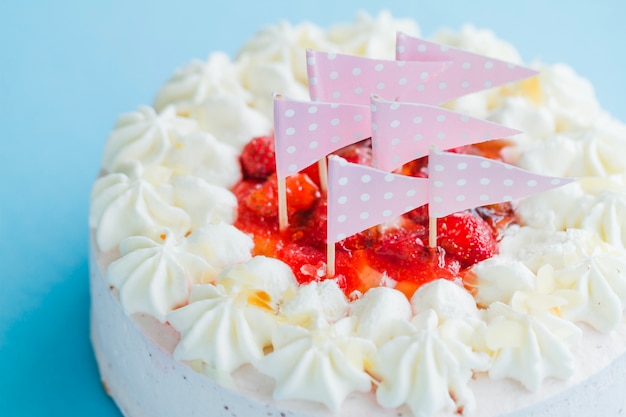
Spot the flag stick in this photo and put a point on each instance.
(283, 220)
(323, 172)
(330, 259)
(432, 232)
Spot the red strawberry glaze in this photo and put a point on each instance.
(396, 254)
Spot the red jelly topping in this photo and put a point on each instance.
(396, 253)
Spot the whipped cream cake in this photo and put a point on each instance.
(202, 306)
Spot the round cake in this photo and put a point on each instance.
(203, 306)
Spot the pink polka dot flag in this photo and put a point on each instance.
(459, 182)
(360, 197)
(306, 132)
(468, 72)
(402, 132)
(351, 79)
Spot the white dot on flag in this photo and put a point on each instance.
(389, 178)
(461, 166)
(441, 118)
(402, 81)
(531, 183)
(464, 136)
(331, 56)
(341, 218)
(396, 159)
(290, 113)
(343, 162)
(291, 149)
(484, 197)
(421, 48)
(336, 95)
(438, 168)
(417, 120)
(364, 215)
(386, 213)
(340, 236)
(507, 182)
(312, 109)
(379, 67)
(424, 75)
(487, 84)
(334, 75)
(365, 178)
(358, 118)
(417, 137)
(461, 182)
(395, 123)
(292, 168)
(388, 195)
(365, 197)
(380, 86)
(395, 141)
(356, 71)
(507, 198)
(358, 91)
(421, 87)
(335, 139)
(441, 136)
(460, 198)
(334, 106)
(438, 184)
(465, 84)
(443, 86)
(488, 65)
(312, 127)
(437, 199)
(310, 60)
(334, 122)
(394, 106)
(444, 48)
(465, 118)
(411, 193)
(342, 181)
(313, 80)
(313, 145)
(357, 136)
(485, 164)
(485, 181)
(373, 108)
(342, 200)
(555, 181)
(374, 126)
(400, 49)
(290, 131)
(466, 65)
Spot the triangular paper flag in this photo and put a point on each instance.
(459, 182)
(402, 132)
(351, 79)
(468, 73)
(306, 132)
(360, 197)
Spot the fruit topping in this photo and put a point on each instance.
(258, 158)
(467, 237)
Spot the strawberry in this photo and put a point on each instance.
(359, 153)
(468, 238)
(302, 193)
(258, 158)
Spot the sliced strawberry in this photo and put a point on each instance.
(301, 192)
(258, 158)
(358, 153)
(466, 237)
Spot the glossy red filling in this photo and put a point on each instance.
(395, 254)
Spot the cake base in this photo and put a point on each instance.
(138, 371)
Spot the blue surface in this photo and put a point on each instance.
(69, 68)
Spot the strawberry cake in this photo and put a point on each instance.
(202, 306)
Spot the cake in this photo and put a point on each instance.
(201, 306)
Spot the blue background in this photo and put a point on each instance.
(69, 68)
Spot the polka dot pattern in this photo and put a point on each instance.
(360, 197)
(468, 73)
(406, 131)
(351, 79)
(306, 132)
(459, 182)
